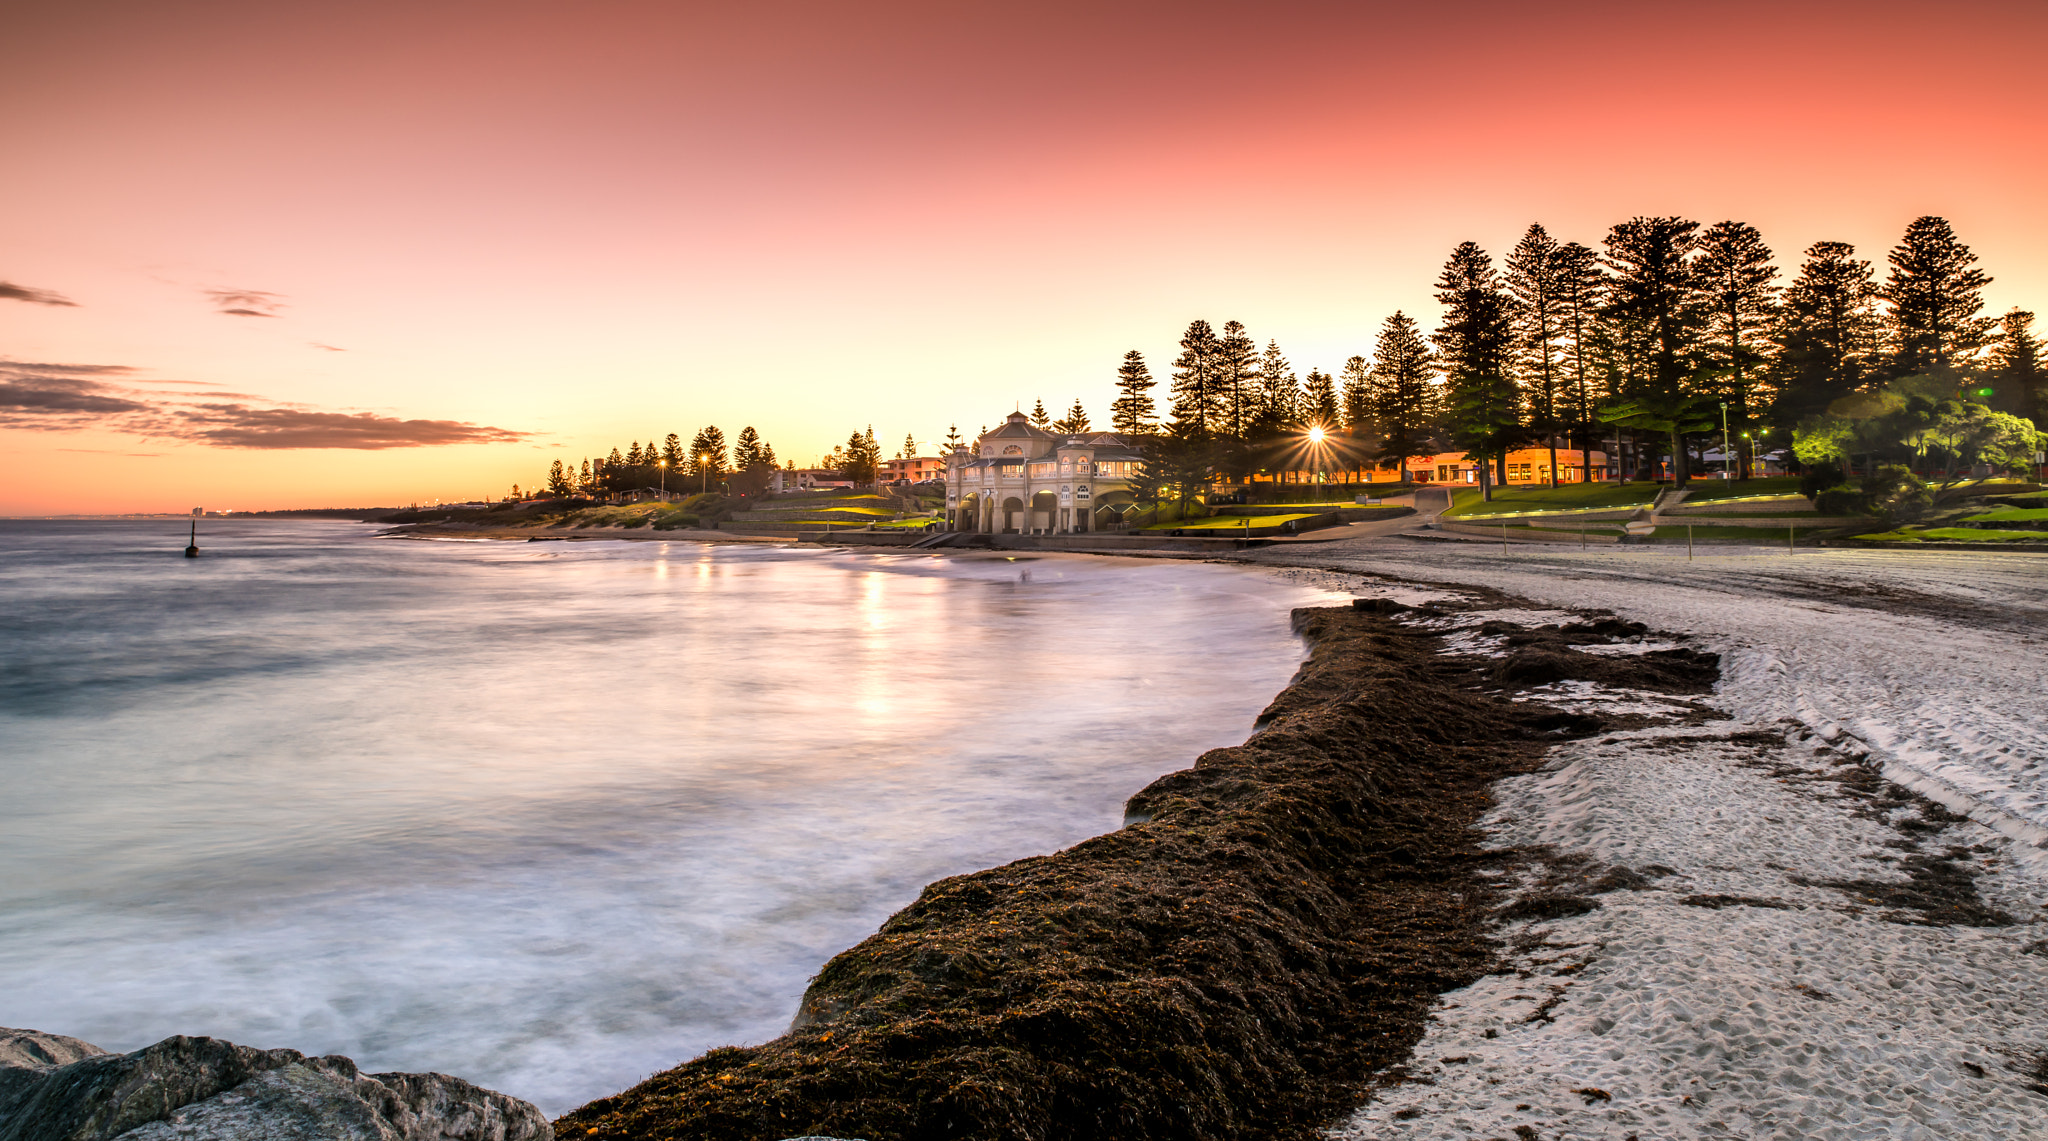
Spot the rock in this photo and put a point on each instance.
(26, 1055)
(203, 1089)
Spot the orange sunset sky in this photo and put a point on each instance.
(342, 254)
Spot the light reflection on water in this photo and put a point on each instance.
(549, 816)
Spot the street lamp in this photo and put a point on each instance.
(704, 471)
(1727, 453)
(663, 465)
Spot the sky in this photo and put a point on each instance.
(368, 253)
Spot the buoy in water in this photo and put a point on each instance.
(192, 548)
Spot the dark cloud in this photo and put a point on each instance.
(240, 426)
(245, 302)
(13, 292)
(13, 368)
(59, 403)
(71, 397)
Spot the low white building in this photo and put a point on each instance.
(1019, 479)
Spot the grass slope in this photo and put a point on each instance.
(1230, 522)
(1570, 497)
(1955, 535)
(1711, 490)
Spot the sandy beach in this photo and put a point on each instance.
(1819, 915)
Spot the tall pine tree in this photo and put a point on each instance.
(1829, 333)
(1132, 413)
(1355, 397)
(1319, 400)
(2015, 363)
(1040, 419)
(1656, 312)
(1581, 292)
(746, 450)
(1237, 379)
(1533, 280)
(1737, 280)
(707, 454)
(1935, 293)
(1404, 404)
(1279, 403)
(1074, 422)
(1476, 345)
(1197, 414)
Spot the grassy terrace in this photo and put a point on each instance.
(2010, 515)
(1231, 522)
(1955, 535)
(1714, 490)
(1571, 497)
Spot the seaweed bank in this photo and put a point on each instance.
(1271, 928)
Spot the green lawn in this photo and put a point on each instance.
(1709, 490)
(1230, 522)
(1570, 497)
(1955, 535)
(1668, 533)
(2009, 515)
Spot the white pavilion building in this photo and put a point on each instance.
(1019, 479)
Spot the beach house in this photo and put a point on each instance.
(1021, 479)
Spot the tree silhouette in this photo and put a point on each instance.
(1195, 383)
(1403, 399)
(1132, 412)
(1935, 297)
(1279, 404)
(1039, 418)
(2016, 365)
(1734, 273)
(1581, 291)
(1074, 423)
(1828, 333)
(1534, 280)
(1355, 399)
(1656, 313)
(1237, 379)
(1476, 344)
(1319, 400)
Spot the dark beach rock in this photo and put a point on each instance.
(203, 1089)
(26, 1055)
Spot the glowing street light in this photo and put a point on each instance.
(1315, 434)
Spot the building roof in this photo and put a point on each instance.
(1017, 426)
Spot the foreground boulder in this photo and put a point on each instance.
(54, 1088)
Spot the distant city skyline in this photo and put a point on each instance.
(381, 253)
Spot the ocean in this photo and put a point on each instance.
(550, 816)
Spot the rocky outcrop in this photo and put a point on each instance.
(203, 1089)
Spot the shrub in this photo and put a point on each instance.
(1840, 501)
(1894, 493)
(1820, 478)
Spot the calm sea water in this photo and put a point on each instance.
(549, 816)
